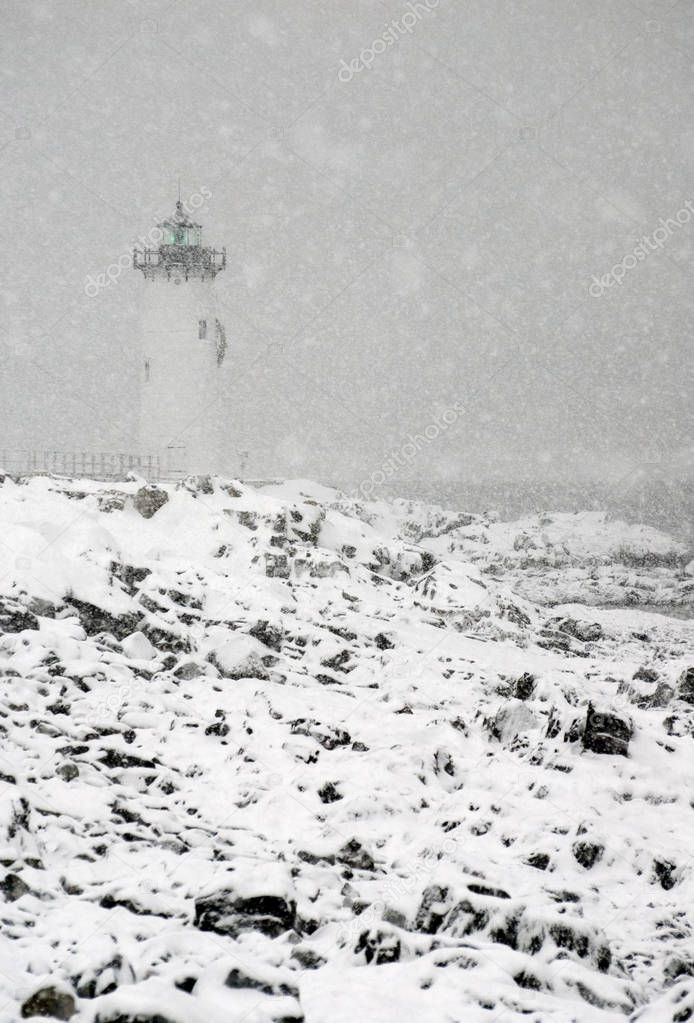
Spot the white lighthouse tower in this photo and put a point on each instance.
(183, 348)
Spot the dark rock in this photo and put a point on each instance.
(661, 696)
(59, 707)
(13, 887)
(676, 966)
(606, 733)
(17, 620)
(483, 889)
(239, 979)
(565, 936)
(329, 793)
(113, 758)
(111, 500)
(586, 632)
(524, 686)
(186, 984)
(515, 615)
(51, 1002)
(395, 917)
(109, 902)
(644, 674)
(507, 933)
(564, 896)
(432, 910)
(527, 980)
(383, 642)
(138, 1019)
(196, 485)
(276, 566)
(307, 958)
(309, 857)
(587, 853)
(553, 723)
(685, 685)
(220, 728)
(379, 946)
(129, 575)
(189, 670)
(223, 914)
(94, 620)
(163, 639)
(68, 771)
(270, 635)
(664, 871)
(330, 738)
(148, 500)
(249, 519)
(353, 854)
(42, 608)
(340, 662)
(539, 860)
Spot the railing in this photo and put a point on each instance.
(184, 260)
(94, 465)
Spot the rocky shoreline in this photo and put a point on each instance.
(279, 755)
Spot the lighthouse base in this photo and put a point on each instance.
(180, 394)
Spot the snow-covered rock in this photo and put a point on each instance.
(277, 754)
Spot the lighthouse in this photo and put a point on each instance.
(183, 344)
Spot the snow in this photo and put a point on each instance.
(277, 753)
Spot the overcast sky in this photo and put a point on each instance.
(475, 205)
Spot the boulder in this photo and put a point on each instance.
(148, 500)
(379, 946)
(587, 853)
(645, 674)
(268, 634)
(353, 854)
(524, 686)
(277, 566)
(329, 793)
(49, 1002)
(95, 619)
(17, 620)
(241, 656)
(13, 887)
(433, 909)
(224, 914)
(512, 719)
(660, 697)
(137, 647)
(685, 686)
(190, 669)
(606, 733)
(586, 632)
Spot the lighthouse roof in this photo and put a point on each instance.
(179, 219)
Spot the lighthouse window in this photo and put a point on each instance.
(202, 329)
(147, 371)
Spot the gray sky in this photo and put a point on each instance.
(423, 209)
